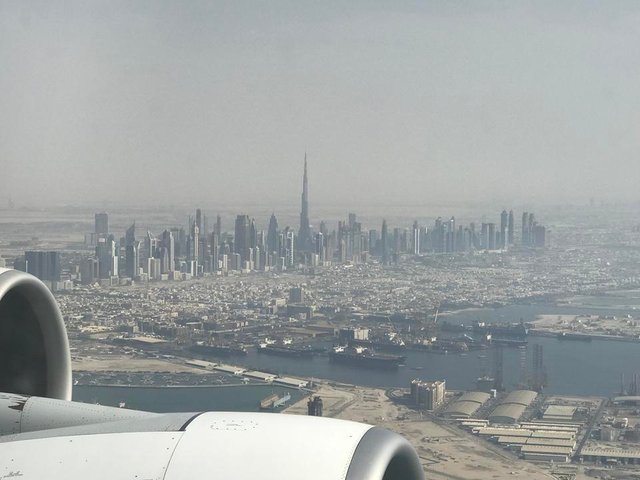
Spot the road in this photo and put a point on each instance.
(592, 423)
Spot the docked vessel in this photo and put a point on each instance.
(285, 350)
(364, 357)
(510, 330)
(218, 350)
(441, 346)
(379, 345)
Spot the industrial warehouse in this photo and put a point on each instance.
(530, 425)
(466, 405)
(523, 422)
(513, 406)
(534, 441)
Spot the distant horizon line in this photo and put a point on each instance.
(313, 205)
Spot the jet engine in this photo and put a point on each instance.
(77, 441)
(34, 350)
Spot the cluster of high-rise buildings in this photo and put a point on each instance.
(42, 264)
(533, 234)
(175, 252)
(201, 249)
(444, 236)
(428, 395)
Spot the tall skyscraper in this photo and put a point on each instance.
(439, 237)
(384, 241)
(511, 228)
(132, 259)
(150, 247)
(179, 242)
(253, 234)
(89, 270)
(201, 249)
(102, 224)
(305, 239)
(504, 221)
(199, 218)
(492, 236)
(218, 227)
(242, 238)
(272, 234)
(130, 234)
(451, 235)
(484, 236)
(538, 236)
(415, 238)
(195, 242)
(215, 252)
(107, 257)
(320, 247)
(374, 244)
(525, 229)
(132, 252)
(169, 252)
(289, 248)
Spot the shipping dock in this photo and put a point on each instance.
(218, 350)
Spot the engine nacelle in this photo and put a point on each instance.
(34, 350)
(214, 445)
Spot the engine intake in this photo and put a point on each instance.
(34, 350)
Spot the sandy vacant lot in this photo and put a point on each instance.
(124, 363)
(446, 452)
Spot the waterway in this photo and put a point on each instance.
(230, 398)
(573, 367)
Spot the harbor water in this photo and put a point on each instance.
(230, 398)
(573, 367)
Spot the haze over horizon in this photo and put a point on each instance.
(179, 102)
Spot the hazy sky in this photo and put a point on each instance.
(415, 102)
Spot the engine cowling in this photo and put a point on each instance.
(34, 350)
(215, 445)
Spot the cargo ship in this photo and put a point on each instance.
(218, 350)
(441, 346)
(379, 345)
(509, 330)
(285, 350)
(363, 357)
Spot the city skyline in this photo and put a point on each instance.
(194, 250)
(305, 227)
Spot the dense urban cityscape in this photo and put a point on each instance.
(211, 305)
